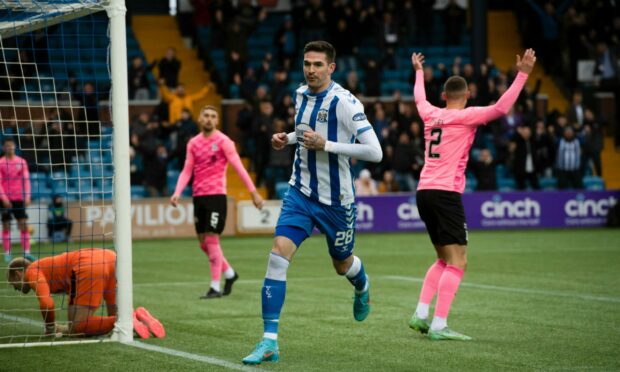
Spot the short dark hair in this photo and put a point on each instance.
(321, 46)
(454, 87)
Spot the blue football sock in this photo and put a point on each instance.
(273, 293)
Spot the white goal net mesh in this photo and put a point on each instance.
(55, 87)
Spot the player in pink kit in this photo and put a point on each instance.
(448, 135)
(208, 156)
(15, 197)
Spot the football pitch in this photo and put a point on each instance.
(532, 300)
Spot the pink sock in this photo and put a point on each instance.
(6, 241)
(225, 264)
(431, 281)
(448, 285)
(215, 256)
(25, 237)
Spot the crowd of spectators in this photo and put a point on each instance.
(383, 25)
(574, 30)
(524, 146)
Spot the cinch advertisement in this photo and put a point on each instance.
(156, 218)
(493, 210)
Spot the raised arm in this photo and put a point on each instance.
(165, 92)
(419, 92)
(505, 102)
(202, 93)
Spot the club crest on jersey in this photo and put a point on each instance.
(214, 147)
(360, 116)
(321, 116)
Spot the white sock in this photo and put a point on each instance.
(215, 284)
(229, 273)
(271, 336)
(439, 323)
(422, 310)
(277, 267)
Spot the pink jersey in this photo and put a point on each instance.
(207, 159)
(449, 134)
(14, 179)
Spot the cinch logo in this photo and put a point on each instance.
(496, 208)
(580, 206)
(408, 211)
(365, 212)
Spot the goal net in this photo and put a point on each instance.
(63, 130)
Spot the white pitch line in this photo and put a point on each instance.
(417, 280)
(138, 344)
(164, 284)
(19, 319)
(240, 281)
(517, 290)
(39, 325)
(196, 357)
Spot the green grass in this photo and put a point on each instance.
(551, 302)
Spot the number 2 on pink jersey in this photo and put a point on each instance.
(433, 142)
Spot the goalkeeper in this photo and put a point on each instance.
(87, 276)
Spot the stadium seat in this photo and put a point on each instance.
(548, 183)
(138, 192)
(593, 183)
(506, 184)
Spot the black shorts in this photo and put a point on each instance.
(17, 210)
(444, 216)
(210, 213)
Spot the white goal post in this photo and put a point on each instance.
(36, 17)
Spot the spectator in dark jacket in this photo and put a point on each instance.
(592, 138)
(404, 158)
(180, 133)
(138, 82)
(485, 170)
(169, 68)
(58, 224)
(545, 149)
(155, 171)
(524, 158)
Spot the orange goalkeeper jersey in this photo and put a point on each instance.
(86, 275)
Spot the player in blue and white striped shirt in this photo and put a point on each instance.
(328, 121)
